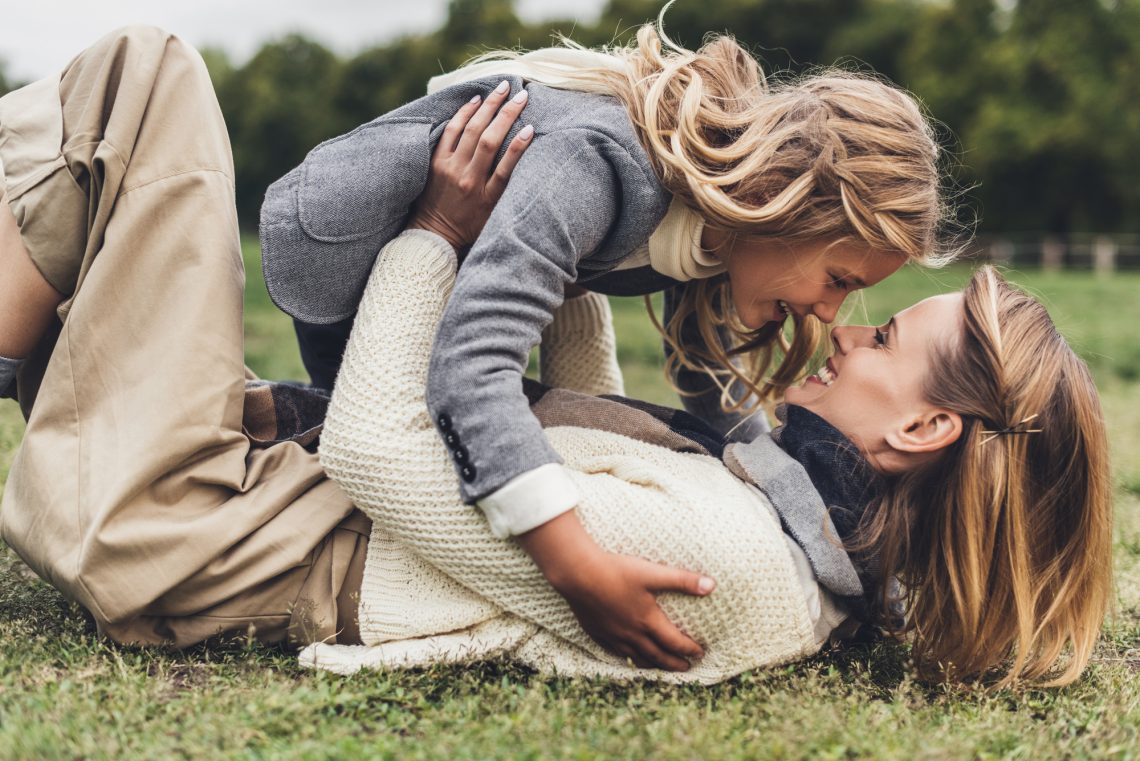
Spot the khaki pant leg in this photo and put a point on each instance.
(314, 602)
(134, 490)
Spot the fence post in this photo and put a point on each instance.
(1001, 252)
(1104, 255)
(1052, 253)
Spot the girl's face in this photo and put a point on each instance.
(770, 279)
(871, 388)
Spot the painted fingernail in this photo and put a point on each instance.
(705, 585)
(522, 95)
(527, 132)
(503, 87)
(476, 99)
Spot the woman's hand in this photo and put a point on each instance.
(461, 190)
(614, 596)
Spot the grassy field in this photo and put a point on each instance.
(65, 694)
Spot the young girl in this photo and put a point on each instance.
(650, 170)
(959, 448)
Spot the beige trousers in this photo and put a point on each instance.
(135, 491)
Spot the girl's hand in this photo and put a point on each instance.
(613, 596)
(461, 190)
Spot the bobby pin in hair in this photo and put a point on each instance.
(1013, 429)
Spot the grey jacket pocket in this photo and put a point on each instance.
(357, 185)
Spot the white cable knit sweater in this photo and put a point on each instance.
(440, 587)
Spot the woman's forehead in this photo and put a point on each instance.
(932, 318)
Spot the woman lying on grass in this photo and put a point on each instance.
(960, 448)
(651, 168)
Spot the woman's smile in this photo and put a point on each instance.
(874, 379)
(825, 376)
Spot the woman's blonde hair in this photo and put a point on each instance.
(1003, 544)
(835, 156)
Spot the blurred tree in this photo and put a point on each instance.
(1044, 95)
(381, 79)
(875, 38)
(219, 65)
(277, 107)
(478, 26)
(947, 57)
(473, 25)
(1040, 125)
(4, 86)
(783, 34)
(947, 62)
(1124, 103)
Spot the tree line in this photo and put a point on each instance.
(1038, 100)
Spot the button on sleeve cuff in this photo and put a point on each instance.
(530, 500)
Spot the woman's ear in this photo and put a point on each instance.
(930, 431)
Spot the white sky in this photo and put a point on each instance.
(37, 37)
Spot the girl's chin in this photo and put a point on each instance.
(760, 324)
(761, 317)
(754, 324)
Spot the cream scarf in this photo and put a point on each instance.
(674, 248)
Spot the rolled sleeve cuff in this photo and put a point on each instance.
(529, 500)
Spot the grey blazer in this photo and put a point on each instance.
(583, 197)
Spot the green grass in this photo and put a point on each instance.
(66, 694)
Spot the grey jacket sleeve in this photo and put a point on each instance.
(562, 200)
(703, 396)
(323, 223)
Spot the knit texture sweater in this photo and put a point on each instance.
(439, 587)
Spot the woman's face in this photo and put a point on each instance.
(871, 388)
(771, 278)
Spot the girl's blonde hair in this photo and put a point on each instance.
(835, 156)
(1003, 545)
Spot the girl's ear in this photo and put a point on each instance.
(715, 241)
(934, 429)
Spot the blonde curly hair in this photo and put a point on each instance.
(830, 157)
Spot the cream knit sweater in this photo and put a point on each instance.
(439, 587)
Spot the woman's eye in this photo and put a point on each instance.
(838, 282)
(880, 337)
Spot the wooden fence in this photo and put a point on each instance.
(1103, 254)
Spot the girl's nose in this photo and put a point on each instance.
(827, 310)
